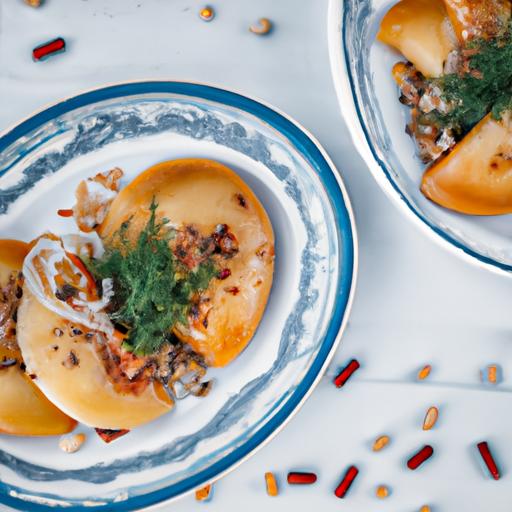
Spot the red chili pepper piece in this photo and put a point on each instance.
(50, 48)
(419, 458)
(224, 273)
(348, 480)
(109, 435)
(66, 212)
(298, 478)
(486, 454)
(346, 373)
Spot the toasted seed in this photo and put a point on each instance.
(203, 494)
(207, 13)
(263, 27)
(492, 372)
(424, 372)
(271, 483)
(72, 443)
(430, 418)
(71, 360)
(425, 508)
(380, 443)
(382, 491)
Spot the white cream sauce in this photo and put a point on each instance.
(49, 254)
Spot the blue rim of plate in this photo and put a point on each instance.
(346, 243)
(486, 260)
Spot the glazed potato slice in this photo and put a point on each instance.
(24, 410)
(421, 31)
(205, 194)
(476, 177)
(478, 18)
(83, 389)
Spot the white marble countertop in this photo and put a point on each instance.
(415, 303)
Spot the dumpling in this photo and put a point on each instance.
(204, 199)
(24, 410)
(74, 361)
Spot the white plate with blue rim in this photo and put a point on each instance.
(368, 98)
(134, 126)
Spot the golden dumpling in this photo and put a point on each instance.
(69, 370)
(24, 410)
(208, 197)
(421, 31)
(476, 177)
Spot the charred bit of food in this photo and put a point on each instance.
(10, 296)
(109, 435)
(94, 197)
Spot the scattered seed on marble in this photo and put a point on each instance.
(45, 50)
(487, 457)
(382, 491)
(491, 374)
(424, 372)
(346, 373)
(271, 484)
(71, 443)
(380, 443)
(207, 13)
(33, 3)
(420, 457)
(263, 27)
(346, 482)
(301, 478)
(425, 508)
(205, 493)
(430, 418)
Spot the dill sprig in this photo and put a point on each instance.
(484, 86)
(152, 288)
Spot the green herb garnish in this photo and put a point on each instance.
(153, 289)
(484, 86)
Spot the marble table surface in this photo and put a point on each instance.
(415, 304)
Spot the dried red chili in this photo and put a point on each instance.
(224, 274)
(65, 212)
(487, 457)
(420, 457)
(346, 373)
(299, 478)
(346, 482)
(48, 49)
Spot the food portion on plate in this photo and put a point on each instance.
(24, 410)
(457, 81)
(168, 276)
